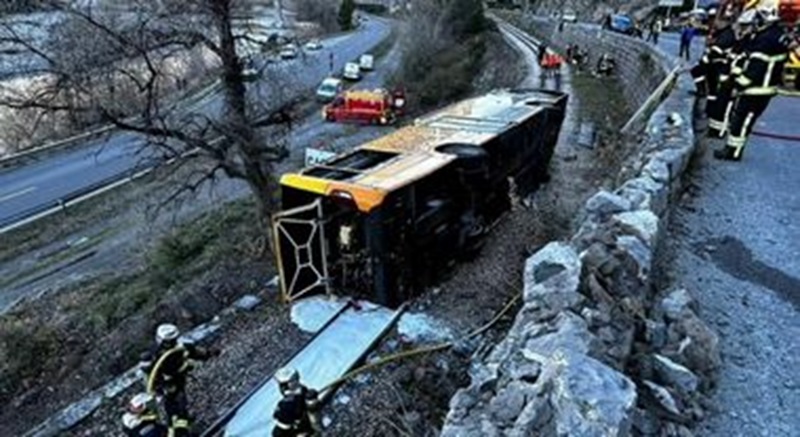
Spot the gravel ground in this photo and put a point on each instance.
(735, 244)
(253, 344)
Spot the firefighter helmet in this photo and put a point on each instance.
(286, 375)
(768, 14)
(167, 332)
(747, 18)
(139, 403)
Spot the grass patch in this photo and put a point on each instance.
(73, 251)
(35, 338)
(198, 246)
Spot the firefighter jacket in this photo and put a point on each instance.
(144, 425)
(766, 54)
(168, 367)
(292, 417)
(722, 52)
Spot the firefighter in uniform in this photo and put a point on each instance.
(141, 419)
(296, 413)
(727, 56)
(167, 368)
(766, 54)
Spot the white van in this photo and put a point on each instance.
(366, 62)
(329, 89)
(352, 71)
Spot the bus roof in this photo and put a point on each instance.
(376, 168)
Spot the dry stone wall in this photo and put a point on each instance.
(595, 349)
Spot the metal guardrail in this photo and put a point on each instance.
(49, 208)
(191, 99)
(655, 98)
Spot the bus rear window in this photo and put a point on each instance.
(362, 159)
(333, 174)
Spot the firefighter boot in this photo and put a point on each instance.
(727, 153)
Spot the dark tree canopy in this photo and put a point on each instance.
(119, 66)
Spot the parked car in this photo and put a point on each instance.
(622, 24)
(569, 16)
(288, 51)
(366, 62)
(329, 89)
(314, 44)
(352, 71)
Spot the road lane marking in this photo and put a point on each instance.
(17, 194)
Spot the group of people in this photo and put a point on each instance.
(739, 74)
(166, 369)
(575, 55)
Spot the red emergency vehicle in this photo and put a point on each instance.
(374, 106)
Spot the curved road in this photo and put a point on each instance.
(58, 177)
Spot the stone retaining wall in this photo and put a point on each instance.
(595, 350)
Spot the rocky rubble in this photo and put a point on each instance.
(596, 350)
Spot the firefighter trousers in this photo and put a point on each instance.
(719, 109)
(700, 77)
(176, 406)
(746, 111)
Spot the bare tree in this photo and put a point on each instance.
(116, 65)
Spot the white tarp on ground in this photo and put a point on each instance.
(313, 313)
(422, 328)
(329, 356)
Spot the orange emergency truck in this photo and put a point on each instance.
(374, 107)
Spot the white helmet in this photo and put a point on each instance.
(768, 13)
(167, 332)
(140, 403)
(747, 17)
(286, 375)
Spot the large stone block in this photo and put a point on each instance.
(592, 399)
(645, 193)
(552, 277)
(642, 224)
(604, 204)
(569, 333)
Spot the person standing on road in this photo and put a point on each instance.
(655, 30)
(725, 60)
(766, 54)
(167, 368)
(686, 41)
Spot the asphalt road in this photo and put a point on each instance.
(736, 247)
(33, 188)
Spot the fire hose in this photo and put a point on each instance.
(422, 350)
(793, 138)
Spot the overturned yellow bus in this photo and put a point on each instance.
(385, 220)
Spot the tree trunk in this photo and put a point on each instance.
(281, 18)
(257, 174)
(265, 189)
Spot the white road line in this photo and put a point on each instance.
(17, 194)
